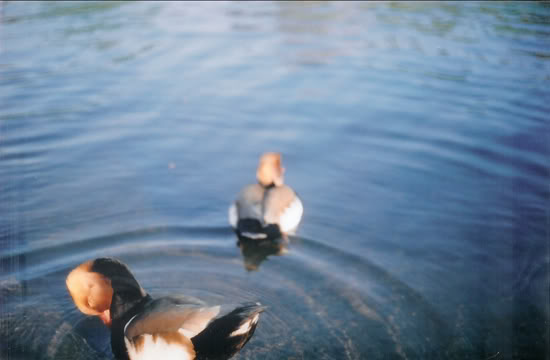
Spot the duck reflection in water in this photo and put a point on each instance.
(255, 251)
(265, 213)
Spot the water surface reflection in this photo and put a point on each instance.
(257, 251)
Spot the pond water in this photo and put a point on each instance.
(416, 134)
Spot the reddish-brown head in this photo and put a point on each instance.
(270, 170)
(92, 292)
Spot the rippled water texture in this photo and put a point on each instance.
(416, 134)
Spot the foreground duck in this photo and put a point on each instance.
(173, 327)
(269, 208)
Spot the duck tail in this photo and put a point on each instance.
(250, 229)
(253, 229)
(226, 335)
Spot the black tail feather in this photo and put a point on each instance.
(216, 340)
(253, 226)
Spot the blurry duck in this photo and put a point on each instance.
(172, 327)
(269, 208)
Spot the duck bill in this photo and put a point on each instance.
(106, 318)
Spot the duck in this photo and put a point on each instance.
(268, 209)
(171, 327)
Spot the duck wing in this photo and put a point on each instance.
(165, 327)
(249, 202)
(245, 214)
(176, 328)
(283, 207)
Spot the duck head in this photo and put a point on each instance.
(104, 287)
(270, 170)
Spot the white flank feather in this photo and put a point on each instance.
(291, 216)
(233, 215)
(158, 349)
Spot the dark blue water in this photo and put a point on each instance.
(416, 134)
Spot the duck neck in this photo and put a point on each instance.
(123, 311)
(269, 186)
(126, 300)
(126, 290)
